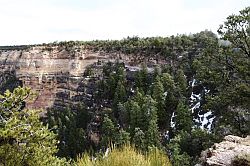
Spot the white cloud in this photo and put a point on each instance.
(33, 21)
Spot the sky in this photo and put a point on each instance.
(44, 21)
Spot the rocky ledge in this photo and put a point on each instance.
(225, 152)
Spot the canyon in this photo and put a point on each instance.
(54, 73)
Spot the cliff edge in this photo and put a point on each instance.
(232, 151)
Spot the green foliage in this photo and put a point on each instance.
(138, 107)
(120, 92)
(187, 146)
(181, 82)
(236, 29)
(139, 139)
(223, 74)
(158, 96)
(171, 99)
(123, 115)
(119, 97)
(112, 134)
(88, 72)
(152, 134)
(178, 157)
(168, 82)
(136, 115)
(142, 79)
(157, 157)
(70, 127)
(122, 138)
(23, 138)
(183, 118)
(108, 130)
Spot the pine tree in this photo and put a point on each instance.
(123, 115)
(150, 122)
(122, 137)
(108, 131)
(107, 69)
(158, 96)
(179, 158)
(69, 126)
(111, 86)
(120, 74)
(170, 98)
(183, 118)
(23, 138)
(142, 79)
(157, 72)
(152, 134)
(139, 139)
(139, 97)
(168, 82)
(136, 116)
(236, 30)
(149, 110)
(120, 93)
(181, 82)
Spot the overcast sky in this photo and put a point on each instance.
(39, 21)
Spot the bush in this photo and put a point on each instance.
(24, 140)
(126, 156)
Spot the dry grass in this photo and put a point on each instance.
(126, 156)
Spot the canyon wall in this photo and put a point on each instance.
(56, 74)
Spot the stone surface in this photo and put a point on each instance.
(223, 153)
(55, 73)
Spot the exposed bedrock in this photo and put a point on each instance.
(55, 74)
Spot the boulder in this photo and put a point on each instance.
(225, 152)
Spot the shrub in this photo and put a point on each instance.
(126, 156)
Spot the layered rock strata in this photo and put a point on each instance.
(55, 74)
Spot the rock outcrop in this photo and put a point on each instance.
(55, 73)
(223, 153)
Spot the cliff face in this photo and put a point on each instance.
(55, 73)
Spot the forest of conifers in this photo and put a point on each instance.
(165, 115)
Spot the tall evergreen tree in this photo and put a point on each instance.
(152, 134)
(139, 139)
(142, 79)
(122, 137)
(158, 96)
(236, 30)
(120, 74)
(171, 99)
(150, 123)
(111, 84)
(181, 82)
(23, 138)
(123, 115)
(223, 74)
(136, 116)
(120, 93)
(157, 72)
(168, 82)
(183, 118)
(108, 131)
(70, 127)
